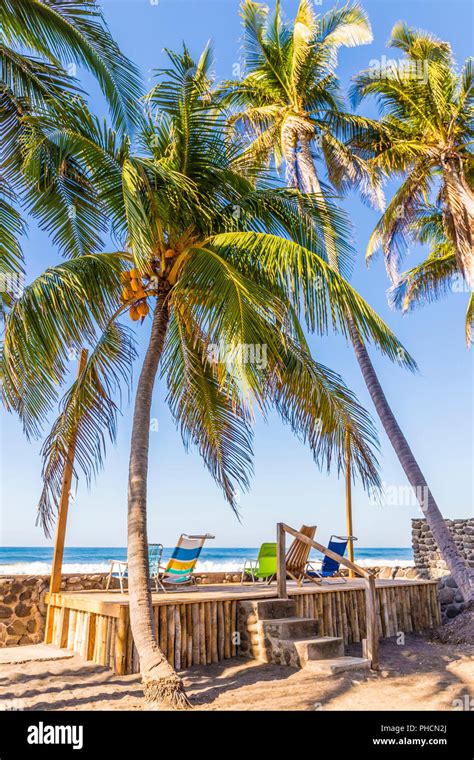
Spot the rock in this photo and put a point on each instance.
(451, 582)
(17, 628)
(446, 595)
(31, 626)
(452, 611)
(22, 610)
(30, 581)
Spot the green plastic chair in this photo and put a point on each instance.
(263, 568)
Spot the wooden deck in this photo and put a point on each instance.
(201, 625)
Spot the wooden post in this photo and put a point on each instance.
(120, 645)
(55, 584)
(281, 564)
(371, 644)
(350, 545)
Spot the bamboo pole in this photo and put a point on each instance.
(55, 584)
(196, 634)
(214, 645)
(120, 646)
(350, 545)
(177, 639)
(372, 641)
(220, 630)
(281, 564)
(189, 626)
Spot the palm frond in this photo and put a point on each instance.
(327, 298)
(207, 416)
(320, 410)
(88, 417)
(75, 32)
(56, 315)
(426, 282)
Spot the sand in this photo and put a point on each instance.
(419, 675)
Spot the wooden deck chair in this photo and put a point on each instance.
(180, 567)
(297, 556)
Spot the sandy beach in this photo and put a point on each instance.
(423, 674)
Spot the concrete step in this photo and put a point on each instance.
(291, 628)
(320, 648)
(271, 609)
(333, 666)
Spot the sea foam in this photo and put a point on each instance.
(205, 566)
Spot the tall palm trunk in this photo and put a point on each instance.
(161, 683)
(460, 200)
(430, 509)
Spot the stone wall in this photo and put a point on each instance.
(428, 560)
(426, 553)
(22, 605)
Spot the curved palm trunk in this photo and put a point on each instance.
(460, 200)
(425, 498)
(434, 518)
(161, 684)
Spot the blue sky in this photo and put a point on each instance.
(434, 406)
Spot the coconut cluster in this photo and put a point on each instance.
(134, 291)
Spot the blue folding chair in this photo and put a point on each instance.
(119, 567)
(329, 566)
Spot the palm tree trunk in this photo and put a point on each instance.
(161, 683)
(430, 509)
(460, 200)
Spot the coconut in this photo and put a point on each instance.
(134, 315)
(143, 308)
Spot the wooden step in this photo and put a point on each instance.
(333, 666)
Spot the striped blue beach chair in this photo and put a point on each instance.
(180, 567)
(330, 566)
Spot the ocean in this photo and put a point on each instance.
(33, 560)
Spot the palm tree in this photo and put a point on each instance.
(289, 101)
(438, 274)
(42, 44)
(425, 135)
(226, 262)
